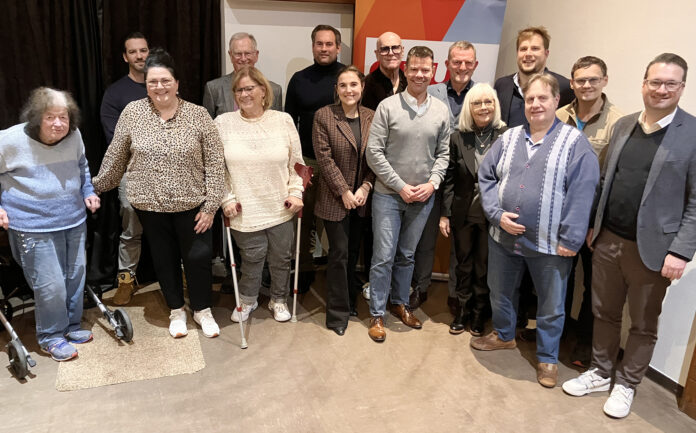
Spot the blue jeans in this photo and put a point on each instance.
(550, 276)
(397, 228)
(54, 266)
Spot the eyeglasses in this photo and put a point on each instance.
(243, 54)
(486, 102)
(395, 49)
(457, 63)
(165, 82)
(581, 81)
(671, 86)
(247, 89)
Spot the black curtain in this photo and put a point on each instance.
(76, 45)
(189, 30)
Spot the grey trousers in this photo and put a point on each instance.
(274, 244)
(131, 233)
(618, 275)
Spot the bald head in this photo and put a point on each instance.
(389, 51)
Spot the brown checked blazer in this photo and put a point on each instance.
(337, 155)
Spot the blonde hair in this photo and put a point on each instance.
(466, 118)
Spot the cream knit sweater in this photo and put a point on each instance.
(260, 157)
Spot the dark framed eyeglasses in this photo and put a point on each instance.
(395, 49)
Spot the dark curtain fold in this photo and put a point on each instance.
(76, 45)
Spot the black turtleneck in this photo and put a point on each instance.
(309, 90)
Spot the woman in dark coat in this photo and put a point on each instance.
(462, 214)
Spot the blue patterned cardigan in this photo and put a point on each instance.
(552, 191)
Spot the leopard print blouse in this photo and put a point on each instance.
(170, 166)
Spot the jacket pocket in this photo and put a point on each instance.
(671, 227)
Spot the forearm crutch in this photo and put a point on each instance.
(305, 172)
(226, 223)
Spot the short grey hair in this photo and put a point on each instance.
(462, 45)
(43, 98)
(479, 90)
(243, 35)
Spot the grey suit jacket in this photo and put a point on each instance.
(667, 214)
(218, 97)
(439, 91)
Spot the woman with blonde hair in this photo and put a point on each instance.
(462, 214)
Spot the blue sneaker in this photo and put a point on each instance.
(61, 351)
(79, 337)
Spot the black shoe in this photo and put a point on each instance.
(478, 322)
(460, 321)
(339, 330)
(354, 312)
(453, 305)
(417, 298)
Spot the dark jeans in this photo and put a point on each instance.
(471, 247)
(172, 239)
(583, 328)
(342, 283)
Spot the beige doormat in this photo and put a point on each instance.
(151, 354)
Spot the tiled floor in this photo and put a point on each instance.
(301, 377)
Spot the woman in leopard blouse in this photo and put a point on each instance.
(171, 154)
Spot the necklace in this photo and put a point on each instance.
(482, 143)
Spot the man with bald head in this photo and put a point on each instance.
(217, 95)
(388, 79)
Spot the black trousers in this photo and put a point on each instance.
(471, 247)
(583, 330)
(173, 240)
(342, 285)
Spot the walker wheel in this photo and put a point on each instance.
(18, 360)
(7, 311)
(124, 324)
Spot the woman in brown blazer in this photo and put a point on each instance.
(340, 137)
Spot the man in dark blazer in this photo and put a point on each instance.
(217, 95)
(644, 231)
(532, 53)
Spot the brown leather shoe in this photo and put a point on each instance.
(403, 312)
(547, 374)
(376, 331)
(492, 342)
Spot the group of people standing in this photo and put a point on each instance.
(511, 173)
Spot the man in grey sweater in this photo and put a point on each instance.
(408, 149)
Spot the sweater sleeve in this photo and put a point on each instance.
(295, 187)
(437, 173)
(488, 183)
(116, 157)
(582, 177)
(109, 114)
(330, 172)
(85, 178)
(291, 105)
(376, 148)
(214, 164)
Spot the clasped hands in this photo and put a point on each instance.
(354, 200)
(418, 193)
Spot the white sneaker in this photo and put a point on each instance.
(177, 323)
(246, 310)
(618, 404)
(280, 311)
(208, 325)
(586, 383)
(366, 291)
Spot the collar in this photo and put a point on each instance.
(662, 123)
(466, 88)
(413, 102)
(516, 80)
(527, 132)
